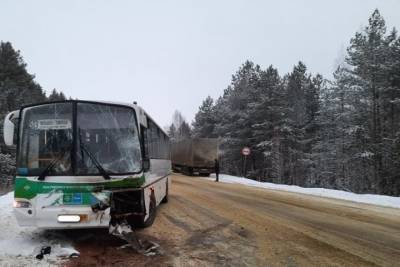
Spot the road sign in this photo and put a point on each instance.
(245, 151)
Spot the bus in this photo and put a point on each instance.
(84, 164)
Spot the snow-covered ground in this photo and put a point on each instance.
(380, 200)
(19, 246)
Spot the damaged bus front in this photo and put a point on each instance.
(81, 164)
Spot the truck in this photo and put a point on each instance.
(194, 155)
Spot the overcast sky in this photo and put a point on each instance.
(169, 55)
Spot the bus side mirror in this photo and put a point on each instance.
(9, 127)
(146, 165)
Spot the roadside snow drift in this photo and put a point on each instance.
(380, 200)
(19, 246)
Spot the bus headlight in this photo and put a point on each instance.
(22, 204)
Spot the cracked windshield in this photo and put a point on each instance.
(106, 136)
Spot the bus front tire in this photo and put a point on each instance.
(165, 199)
(140, 222)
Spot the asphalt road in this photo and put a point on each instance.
(216, 224)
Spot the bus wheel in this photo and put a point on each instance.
(152, 211)
(165, 199)
(139, 222)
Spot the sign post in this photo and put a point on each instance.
(245, 153)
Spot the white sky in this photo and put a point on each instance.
(169, 55)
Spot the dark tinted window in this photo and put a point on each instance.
(157, 142)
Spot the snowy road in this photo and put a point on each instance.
(20, 245)
(206, 223)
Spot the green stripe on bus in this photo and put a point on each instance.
(28, 189)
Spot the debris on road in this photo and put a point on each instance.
(143, 246)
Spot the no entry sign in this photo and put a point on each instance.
(245, 151)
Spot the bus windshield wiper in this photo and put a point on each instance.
(93, 158)
(44, 173)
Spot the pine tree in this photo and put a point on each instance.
(16, 84)
(204, 122)
(242, 96)
(268, 114)
(56, 96)
(372, 57)
(297, 82)
(337, 134)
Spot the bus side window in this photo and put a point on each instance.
(157, 142)
(166, 144)
(158, 137)
(161, 143)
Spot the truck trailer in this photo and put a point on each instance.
(194, 155)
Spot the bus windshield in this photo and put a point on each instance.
(105, 135)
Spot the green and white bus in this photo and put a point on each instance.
(82, 164)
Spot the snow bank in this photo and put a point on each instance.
(19, 246)
(380, 200)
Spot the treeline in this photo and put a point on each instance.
(305, 130)
(17, 88)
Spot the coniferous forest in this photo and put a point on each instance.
(306, 130)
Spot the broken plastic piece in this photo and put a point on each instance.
(74, 255)
(45, 250)
(124, 231)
